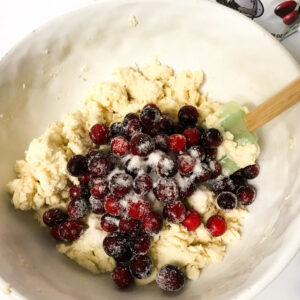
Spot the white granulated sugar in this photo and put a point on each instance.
(133, 22)
(193, 153)
(6, 289)
(183, 182)
(292, 142)
(143, 147)
(198, 169)
(154, 158)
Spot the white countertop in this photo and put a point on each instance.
(18, 17)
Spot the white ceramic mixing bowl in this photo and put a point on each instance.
(42, 78)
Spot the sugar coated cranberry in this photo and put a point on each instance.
(119, 146)
(128, 117)
(116, 245)
(192, 220)
(174, 212)
(170, 278)
(177, 142)
(150, 115)
(128, 224)
(78, 208)
(100, 190)
(54, 217)
(227, 201)
(192, 136)
(188, 115)
(70, 230)
(112, 205)
(141, 266)
(116, 129)
(215, 168)
(140, 243)
(94, 153)
(204, 173)
(152, 223)
(97, 205)
(166, 191)
(55, 234)
(167, 167)
(134, 126)
(211, 138)
(120, 184)
(99, 166)
(84, 179)
(223, 184)
(246, 195)
(77, 165)
(161, 142)
(186, 163)
(79, 191)
(179, 128)
(197, 152)
(109, 223)
(141, 144)
(250, 172)
(99, 134)
(166, 124)
(142, 184)
(138, 208)
(122, 276)
(131, 167)
(187, 188)
(216, 225)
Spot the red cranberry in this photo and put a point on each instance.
(99, 166)
(167, 167)
(141, 144)
(177, 142)
(192, 220)
(211, 138)
(250, 172)
(55, 234)
(120, 184)
(97, 205)
(141, 266)
(210, 154)
(119, 146)
(112, 205)
(99, 134)
(109, 223)
(216, 225)
(166, 191)
(186, 188)
(140, 243)
(215, 168)
(150, 114)
(79, 191)
(227, 201)
(174, 212)
(77, 165)
(186, 163)
(129, 225)
(238, 180)
(179, 128)
(128, 117)
(246, 195)
(142, 185)
(138, 208)
(121, 276)
(100, 190)
(204, 174)
(77, 208)
(170, 278)
(134, 126)
(192, 136)
(161, 142)
(116, 129)
(70, 230)
(85, 179)
(94, 153)
(188, 115)
(197, 152)
(54, 217)
(152, 223)
(166, 124)
(223, 184)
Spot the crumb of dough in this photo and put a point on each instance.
(24, 85)
(292, 142)
(7, 289)
(133, 22)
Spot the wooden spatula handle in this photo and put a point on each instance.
(274, 106)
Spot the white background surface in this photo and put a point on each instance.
(19, 17)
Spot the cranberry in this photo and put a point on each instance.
(141, 144)
(192, 136)
(246, 195)
(167, 167)
(197, 152)
(186, 163)
(78, 208)
(121, 276)
(54, 217)
(201, 130)
(120, 184)
(250, 172)
(109, 223)
(97, 205)
(216, 225)
(238, 180)
(204, 174)
(129, 225)
(115, 161)
(119, 146)
(77, 165)
(192, 220)
(138, 209)
(99, 134)
(215, 168)
(152, 223)
(223, 184)
(179, 128)
(227, 201)
(112, 205)
(166, 191)
(55, 234)
(79, 191)
(170, 278)
(161, 142)
(116, 245)
(211, 138)
(131, 168)
(140, 243)
(186, 189)
(128, 117)
(150, 115)
(84, 179)
(210, 154)
(116, 129)
(142, 184)
(100, 190)
(166, 124)
(134, 126)
(99, 166)
(141, 266)
(174, 212)
(70, 230)
(188, 115)
(177, 142)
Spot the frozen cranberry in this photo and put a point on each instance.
(186, 163)
(78, 208)
(210, 154)
(216, 225)
(55, 234)
(70, 230)
(142, 184)
(77, 165)
(186, 188)
(211, 138)
(166, 124)
(129, 225)
(223, 184)
(97, 205)
(141, 144)
(131, 168)
(94, 153)
(138, 208)
(227, 201)
(250, 172)
(116, 245)
(84, 179)
(128, 117)
(141, 266)
(109, 223)
(238, 180)
(204, 174)
(246, 195)
(215, 168)
(112, 205)
(192, 220)
(100, 190)
(99, 134)
(192, 136)
(79, 191)
(174, 212)
(177, 142)
(140, 243)
(167, 167)
(197, 152)
(170, 278)
(134, 126)
(201, 130)
(161, 142)
(99, 166)
(54, 217)
(119, 146)
(122, 276)
(120, 184)
(150, 114)
(115, 161)
(179, 128)
(188, 115)
(116, 129)
(166, 191)
(152, 223)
